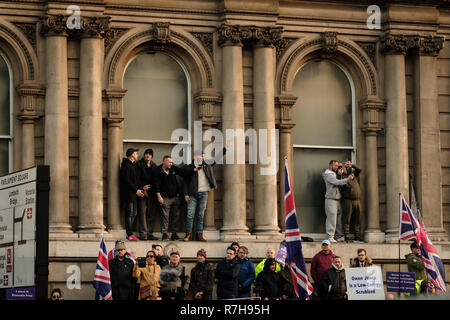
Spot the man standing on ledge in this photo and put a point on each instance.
(333, 209)
(129, 190)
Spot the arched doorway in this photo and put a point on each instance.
(6, 130)
(324, 117)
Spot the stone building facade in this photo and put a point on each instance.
(246, 65)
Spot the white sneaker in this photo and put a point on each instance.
(332, 240)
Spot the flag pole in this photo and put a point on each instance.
(399, 224)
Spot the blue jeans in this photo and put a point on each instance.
(130, 216)
(196, 206)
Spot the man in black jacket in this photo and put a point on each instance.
(196, 188)
(227, 271)
(129, 190)
(123, 285)
(268, 282)
(332, 284)
(148, 205)
(202, 278)
(167, 191)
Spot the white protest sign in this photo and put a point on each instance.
(364, 283)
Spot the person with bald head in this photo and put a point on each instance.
(270, 254)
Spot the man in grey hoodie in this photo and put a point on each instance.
(333, 209)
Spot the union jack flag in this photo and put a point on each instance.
(102, 281)
(294, 258)
(410, 229)
(113, 253)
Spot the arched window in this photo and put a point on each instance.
(324, 130)
(6, 135)
(157, 103)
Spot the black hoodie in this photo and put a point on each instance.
(268, 282)
(128, 182)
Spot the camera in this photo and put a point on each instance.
(350, 170)
(141, 262)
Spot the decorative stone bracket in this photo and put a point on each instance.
(28, 105)
(329, 44)
(286, 104)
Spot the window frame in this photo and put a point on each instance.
(189, 106)
(10, 137)
(352, 89)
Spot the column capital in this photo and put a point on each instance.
(395, 43)
(207, 101)
(285, 103)
(236, 35)
(95, 26)
(54, 25)
(114, 96)
(28, 98)
(372, 119)
(427, 45)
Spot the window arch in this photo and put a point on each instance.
(324, 117)
(6, 132)
(157, 102)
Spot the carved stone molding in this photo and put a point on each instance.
(207, 102)
(372, 119)
(286, 104)
(427, 45)
(422, 44)
(370, 48)
(29, 30)
(206, 38)
(95, 26)
(54, 25)
(238, 35)
(111, 36)
(115, 104)
(329, 44)
(28, 101)
(282, 45)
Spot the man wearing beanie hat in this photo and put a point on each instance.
(202, 278)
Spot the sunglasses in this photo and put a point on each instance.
(150, 256)
(56, 297)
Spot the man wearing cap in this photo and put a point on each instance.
(173, 279)
(202, 278)
(415, 263)
(321, 262)
(148, 205)
(129, 190)
(123, 285)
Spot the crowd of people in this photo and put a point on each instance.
(148, 191)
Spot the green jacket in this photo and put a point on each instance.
(351, 190)
(415, 264)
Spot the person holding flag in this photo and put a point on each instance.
(294, 257)
(411, 229)
(102, 281)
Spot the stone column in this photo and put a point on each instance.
(28, 116)
(265, 169)
(57, 121)
(114, 120)
(427, 163)
(207, 102)
(90, 126)
(285, 104)
(234, 183)
(371, 108)
(394, 47)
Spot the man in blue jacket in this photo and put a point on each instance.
(246, 273)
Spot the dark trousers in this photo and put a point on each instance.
(149, 209)
(351, 212)
(130, 216)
